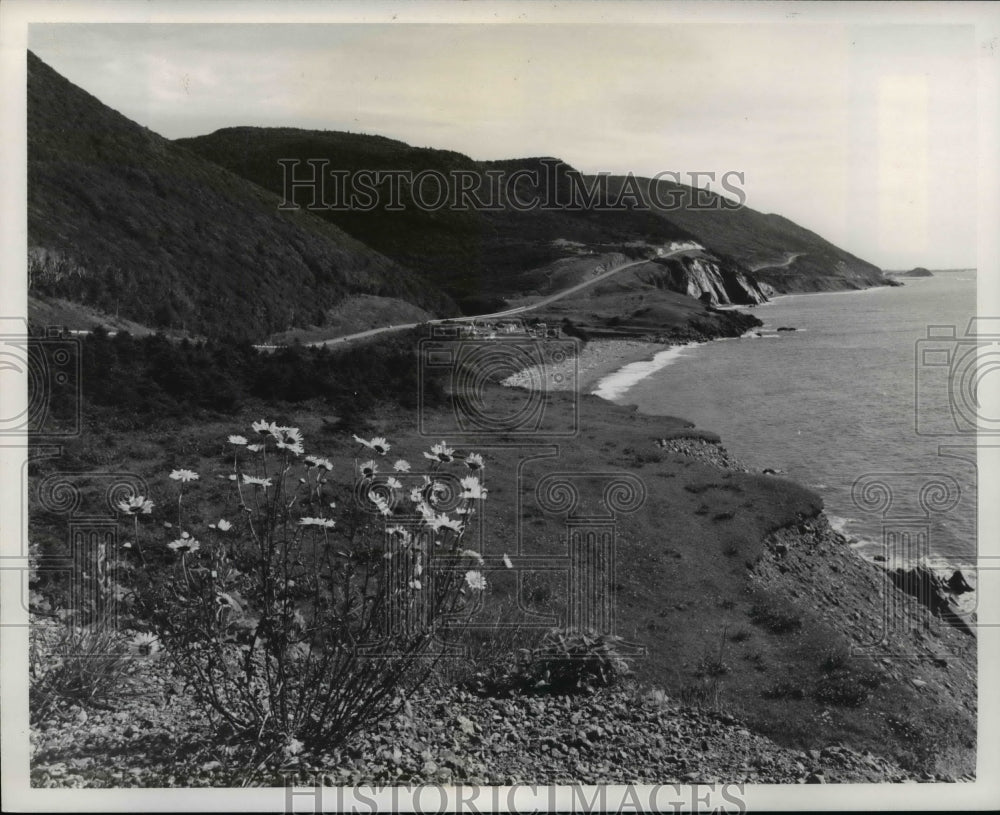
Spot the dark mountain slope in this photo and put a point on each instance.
(124, 221)
(470, 253)
(481, 252)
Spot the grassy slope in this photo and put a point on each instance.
(468, 252)
(475, 252)
(693, 566)
(128, 223)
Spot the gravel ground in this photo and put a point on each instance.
(616, 735)
(705, 452)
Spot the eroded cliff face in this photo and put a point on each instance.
(720, 282)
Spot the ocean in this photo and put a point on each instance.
(837, 405)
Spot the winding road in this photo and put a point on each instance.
(372, 332)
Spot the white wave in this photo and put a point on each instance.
(838, 524)
(614, 385)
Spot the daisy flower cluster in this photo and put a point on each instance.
(427, 497)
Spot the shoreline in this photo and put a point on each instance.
(597, 360)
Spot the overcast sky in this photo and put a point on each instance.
(864, 134)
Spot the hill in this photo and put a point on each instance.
(126, 223)
(480, 251)
(473, 252)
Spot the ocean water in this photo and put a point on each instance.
(837, 404)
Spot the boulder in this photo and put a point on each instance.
(936, 593)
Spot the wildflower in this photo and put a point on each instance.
(257, 482)
(238, 440)
(311, 460)
(472, 553)
(393, 483)
(507, 562)
(475, 580)
(431, 491)
(136, 505)
(378, 444)
(326, 523)
(472, 489)
(288, 438)
(401, 466)
(368, 469)
(184, 475)
(264, 427)
(223, 525)
(255, 448)
(144, 644)
(380, 502)
(441, 520)
(402, 533)
(185, 544)
(325, 463)
(474, 462)
(441, 452)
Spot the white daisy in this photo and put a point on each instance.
(184, 475)
(238, 440)
(378, 444)
(472, 489)
(401, 466)
(441, 452)
(326, 523)
(136, 505)
(475, 580)
(255, 481)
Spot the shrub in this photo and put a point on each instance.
(81, 664)
(844, 689)
(785, 689)
(312, 614)
(570, 662)
(775, 617)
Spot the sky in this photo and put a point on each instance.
(866, 134)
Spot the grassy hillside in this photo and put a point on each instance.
(127, 223)
(474, 252)
(730, 590)
(470, 253)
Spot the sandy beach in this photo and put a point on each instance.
(596, 360)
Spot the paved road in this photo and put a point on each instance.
(498, 314)
(786, 262)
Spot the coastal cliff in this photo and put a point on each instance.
(715, 281)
